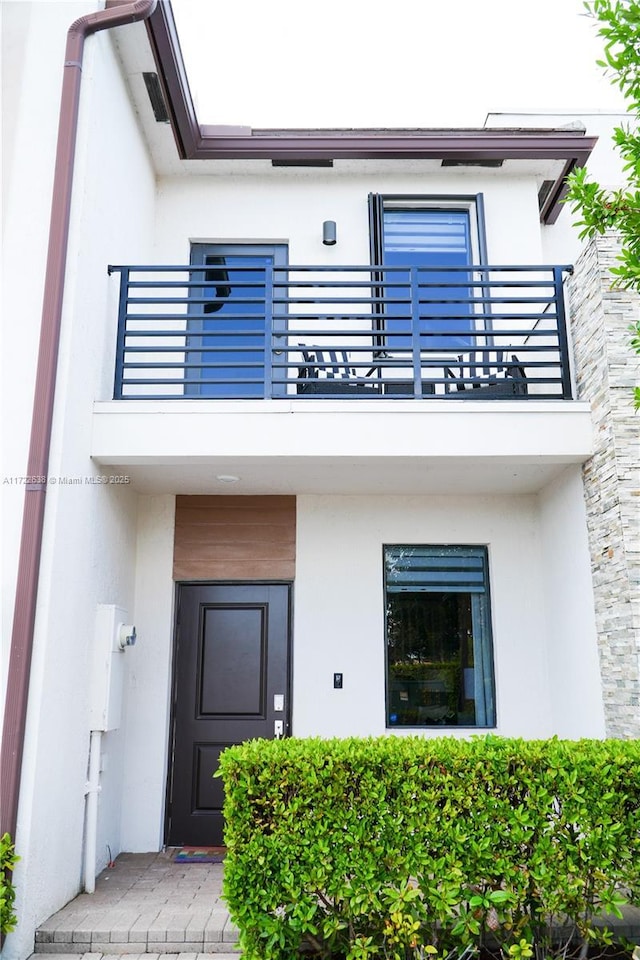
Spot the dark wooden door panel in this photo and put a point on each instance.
(233, 670)
(231, 661)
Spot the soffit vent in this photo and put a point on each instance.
(302, 163)
(472, 163)
(154, 90)
(544, 192)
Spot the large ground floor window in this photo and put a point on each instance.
(438, 636)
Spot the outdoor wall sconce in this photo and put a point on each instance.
(329, 232)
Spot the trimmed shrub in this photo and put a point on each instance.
(402, 847)
(8, 859)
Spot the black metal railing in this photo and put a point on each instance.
(473, 332)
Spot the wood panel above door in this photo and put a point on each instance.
(234, 538)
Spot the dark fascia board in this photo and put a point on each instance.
(165, 46)
(242, 143)
(550, 210)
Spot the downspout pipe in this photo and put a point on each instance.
(116, 15)
(92, 789)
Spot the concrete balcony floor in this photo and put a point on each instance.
(146, 904)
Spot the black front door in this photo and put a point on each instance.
(230, 685)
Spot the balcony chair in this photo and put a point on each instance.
(487, 374)
(329, 372)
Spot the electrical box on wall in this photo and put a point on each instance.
(112, 624)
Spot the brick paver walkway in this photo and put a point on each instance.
(134, 956)
(145, 904)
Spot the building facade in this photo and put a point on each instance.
(340, 445)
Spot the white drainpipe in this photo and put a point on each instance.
(92, 789)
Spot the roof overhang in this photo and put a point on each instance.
(566, 148)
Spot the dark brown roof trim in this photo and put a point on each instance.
(165, 45)
(473, 145)
(243, 143)
(550, 210)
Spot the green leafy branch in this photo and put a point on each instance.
(8, 860)
(600, 209)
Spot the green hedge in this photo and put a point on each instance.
(8, 860)
(403, 847)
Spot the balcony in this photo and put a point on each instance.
(477, 332)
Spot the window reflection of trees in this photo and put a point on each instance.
(430, 644)
(429, 628)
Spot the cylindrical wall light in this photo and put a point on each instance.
(329, 232)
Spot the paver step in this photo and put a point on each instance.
(145, 905)
(167, 951)
(118, 930)
(134, 956)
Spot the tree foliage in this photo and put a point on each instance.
(619, 210)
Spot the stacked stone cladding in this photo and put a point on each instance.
(606, 369)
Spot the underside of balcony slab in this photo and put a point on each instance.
(284, 447)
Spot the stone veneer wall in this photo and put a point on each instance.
(606, 370)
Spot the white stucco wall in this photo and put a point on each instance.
(543, 645)
(339, 605)
(148, 681)
(89, 546)
(290, 206)
(570, 632)
(32, 49)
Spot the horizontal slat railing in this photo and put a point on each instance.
(474, 332)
